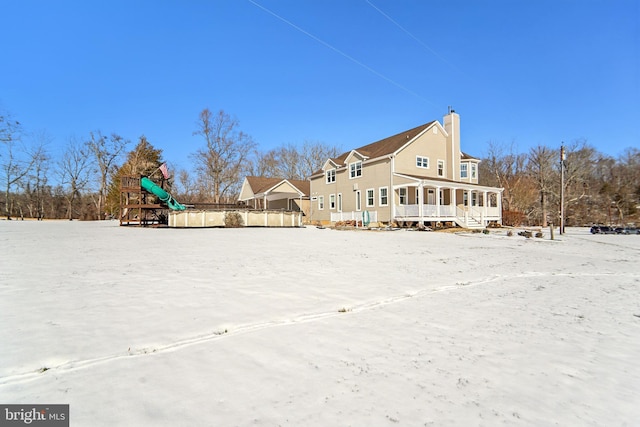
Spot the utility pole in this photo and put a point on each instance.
(562, 188)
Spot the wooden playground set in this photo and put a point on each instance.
(146, 203)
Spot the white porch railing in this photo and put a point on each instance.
(354, 216)
(447, 211)
(407, 210)
(467, 216)
(403, 211)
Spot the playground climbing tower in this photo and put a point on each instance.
(138, 206)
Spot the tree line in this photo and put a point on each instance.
(83, 182)
(597, 189)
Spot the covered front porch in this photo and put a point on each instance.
(428, 201)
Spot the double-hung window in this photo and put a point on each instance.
(440, 168)
(332, 201)
(355, 169)
(474, 171)
(463, 170)
(320, 202)
(384, 196)
(331, 176)
(370, 197)
(402, 192)
(422, 162)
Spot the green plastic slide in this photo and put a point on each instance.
(165, 197)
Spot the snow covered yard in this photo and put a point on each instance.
(310, 327)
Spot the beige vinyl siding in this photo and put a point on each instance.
(430, 145)
(374, 175)
(285, 188)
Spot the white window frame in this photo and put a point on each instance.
(441, 171)
(330, 176)
(464, 170)
(422, 162)
(474, 171)
(332, 201)
(358, 200)
(403, 198)
(355, 169)
(386, 196)
(370, 201)
(339, 202)
(320, 203)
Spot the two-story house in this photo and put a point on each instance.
(417, 176)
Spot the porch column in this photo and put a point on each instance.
(484, 203)
(454, 203)
(438, 201)
(499, 204)
(420, 200)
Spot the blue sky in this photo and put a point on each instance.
(343, 72)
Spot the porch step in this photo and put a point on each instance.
(471, 223)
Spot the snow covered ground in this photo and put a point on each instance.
(319, 327)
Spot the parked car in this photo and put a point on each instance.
(627, 230)
(602, 229)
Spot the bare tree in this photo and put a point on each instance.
(106, 152)
(264, 164)
(503, 167)
(75, 170)
(224, 159)
(185, 187)
(36, 184)
(542, 170)
(578, 170)
(16, 160)
(313, 154)
(292, 162)
(289, 162)
(619, 186)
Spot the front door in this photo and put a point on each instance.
(431, 197)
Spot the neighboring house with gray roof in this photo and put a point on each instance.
(419, 175)
(260, 192)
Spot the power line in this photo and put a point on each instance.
(411, 35)
(335, 49)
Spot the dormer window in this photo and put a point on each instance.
(422, 162)
(355, 169)
(474, 171)
(464, 171)
(331, 176)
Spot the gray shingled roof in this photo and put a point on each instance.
(385, 146)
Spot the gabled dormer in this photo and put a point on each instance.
(353, 162)
(329, 168)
